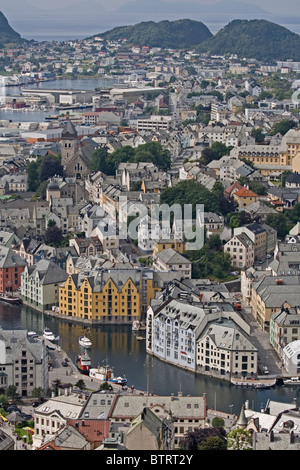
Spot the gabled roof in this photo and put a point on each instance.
(245, 192)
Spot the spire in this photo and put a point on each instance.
(242, 421)
(69, 131)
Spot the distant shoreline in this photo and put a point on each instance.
(61, 36)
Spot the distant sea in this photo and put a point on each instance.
(80, 32)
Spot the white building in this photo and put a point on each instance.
(39, 284)
(210, 340)
(54, 414)
(291, 358)
(171, 260)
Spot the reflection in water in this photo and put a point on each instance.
(122, 351)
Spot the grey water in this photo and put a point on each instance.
(119, 347)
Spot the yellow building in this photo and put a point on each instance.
(271, 293)
(163, 244)
(109, 296)
(244, 197)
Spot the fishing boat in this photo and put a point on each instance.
(292, 381)
(253, 382)
(103, 373)
(85, 342)
(47, 334)
(84, 363)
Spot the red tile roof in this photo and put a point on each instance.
(245, 192)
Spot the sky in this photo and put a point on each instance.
(272, 6)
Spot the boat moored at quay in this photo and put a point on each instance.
(254, 382)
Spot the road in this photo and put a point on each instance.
(260, 339)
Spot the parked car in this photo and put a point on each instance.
(12, 408)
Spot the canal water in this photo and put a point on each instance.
(119, 347)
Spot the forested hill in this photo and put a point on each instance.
(7, 33)
(178, 34)
(259, 39)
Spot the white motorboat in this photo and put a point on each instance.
(47, 333)
(292, 381)
(85, 342)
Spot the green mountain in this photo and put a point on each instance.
(259, 39)
(7, 33)
(178, 34)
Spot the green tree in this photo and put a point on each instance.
(50, 166)
(105, 386)
(155, 153)
(80, 384)
(239, 439)
(213, 443)
(53, 235)
(33, 172)
(218, 422)
(11, 392)
(195, 438)
(282, 127)
(258, 135)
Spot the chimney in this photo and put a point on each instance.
(292, 437)
(272, 436)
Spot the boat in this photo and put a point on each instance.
(136, 325)
(292, 381)
(32, 335)
(85, 342)
(118, 381)
(253, 382)
(84, 363)
(10, 299)
(103, 373)
(47, 333)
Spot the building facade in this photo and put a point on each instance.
(23, 363)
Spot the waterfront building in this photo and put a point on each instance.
(39, 284)
(225, 349)
(117, 295)
(23, 363)
(11, 268)
(209, 339)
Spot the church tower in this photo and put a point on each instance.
(69, 144)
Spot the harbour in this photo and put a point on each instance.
(117, 345)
